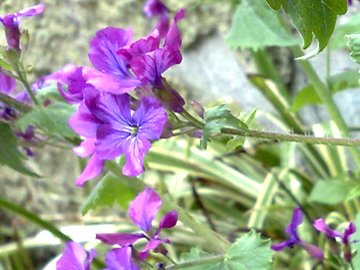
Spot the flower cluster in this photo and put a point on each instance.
(112, 121)
(321, 226)
(142, 211)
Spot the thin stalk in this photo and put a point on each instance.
(291, 137)
(192, 119)
(326, 97)
(13, 103)
(23, 79)
(207, 260)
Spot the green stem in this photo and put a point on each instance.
(291, 137)
(192, 119)
(13, 103)
(206, 260)
(326, 97)
(23, 79)
(40, 222)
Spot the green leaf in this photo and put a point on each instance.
(331, 192)
(256, 26)
(9, 152)
(313, 17)
(248, 252)
(111, 189)
(354, 46)
(49, 92)
(53, 119)
(337, 83)
(217, 118)
(351, 26)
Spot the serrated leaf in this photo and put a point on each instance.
(248, 252)
(53, 119)
(9, 152)
(217, 118)
(337, 83)
(49, 92)
(331, 192)
(256, 26)
(313, 17)
(354, 46)
(111, 189)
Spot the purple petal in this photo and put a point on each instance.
(296, 220)
(103, 51)
(122, 239)
(120, 259)
(314, 251)
(93, 168)
(321, 226)
(151, 118)
(173, 37)
(86, 148)
(109, 83)
(75, 258)
(83, 121)
(153, 244)
(282, 245)
(144, 208)
(135, 148)
(154, 8)
(350, 229)
(32, 11)
(169, 220)
(76, 84)
(7, 83)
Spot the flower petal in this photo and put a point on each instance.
(144, 208)
(169, 220)
(350, 229)
(120, 259)
(282, 245)
(321, 226)
(32, 11)
(93, 168)
(154, 8)
(314, 251)
(153, 244)
(135, 148)
(296, 220)
(7, 83)
(151, 118)
(122, 239)
(75, 258)
(86, 148)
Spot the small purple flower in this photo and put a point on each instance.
(142, 212)
(122, 65)
(11, 24)
(294, 239)
(120, 259)
(321, 226)
(75, 257)
(111, 129)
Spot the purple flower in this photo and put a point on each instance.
(122, 65)
(321, 226)
(294, 239)
(75, 258)
(11, 24)
(142, 212)
(120, 259)
(112, 130)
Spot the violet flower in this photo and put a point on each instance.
(75, 257)
(111, 129)
(120, 259)
(142, 212)
(156, 8)
(294, 239)
(321, 226)
(11, 24)
(122, 65)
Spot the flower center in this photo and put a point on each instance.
(134, 130)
